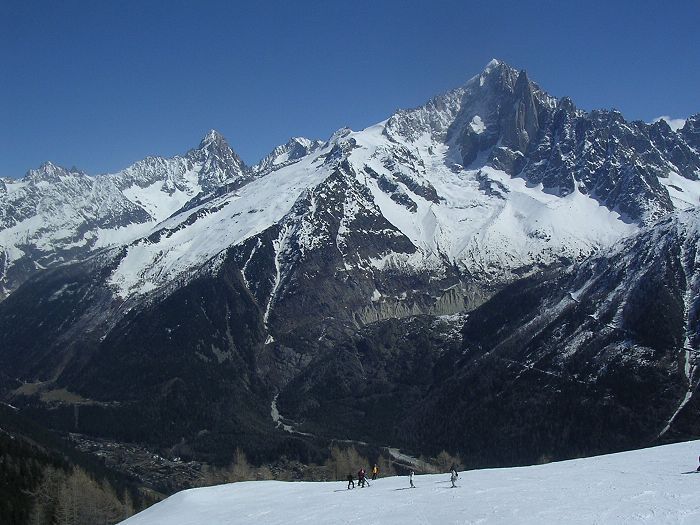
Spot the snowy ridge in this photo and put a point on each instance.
(495, 178)
(285, 154)
(188, 240)
(483, 220)
(655, 486)
(55, 215)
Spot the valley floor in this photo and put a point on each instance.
(656, 485)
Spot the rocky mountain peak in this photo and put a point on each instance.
(691, 131)
(521, 124)
(49, 172)
(497, 74)
(217, 158)
(493, 63)
(213, 139)
(284, 154)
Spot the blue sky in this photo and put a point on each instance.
(101, 84)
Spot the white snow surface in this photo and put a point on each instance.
(486, 233)
(228, 220)
(684, 193)
(655, 486)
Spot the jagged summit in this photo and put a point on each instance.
(302, 141)
(213, 138)
(50, 172)
(214, 143)
(492, 63)
(284, 154)
(496, 68)
(218, 160)
(48, 165)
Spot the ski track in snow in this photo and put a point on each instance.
(644, 486)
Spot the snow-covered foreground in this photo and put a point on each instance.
(655, 485)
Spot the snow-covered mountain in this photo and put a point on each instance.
(337, 277)
(655, 486)
(494, 180)
(54, 215)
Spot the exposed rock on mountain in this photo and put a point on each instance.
(574, 361)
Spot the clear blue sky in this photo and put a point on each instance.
(100, 84)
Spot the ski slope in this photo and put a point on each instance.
(655, 485)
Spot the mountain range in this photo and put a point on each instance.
(496, 273)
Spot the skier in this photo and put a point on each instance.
(453, 476)
(699, 465)
(410, 479)
(375, 471)
(361, 477)
(351, 482)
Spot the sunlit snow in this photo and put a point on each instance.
(654, 486)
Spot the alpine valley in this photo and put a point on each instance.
(495, 273)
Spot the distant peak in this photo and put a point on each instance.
(339, 134)
(494, 62)
(216, 153)
(212, 137)
(496, 69)
(47, 171)
(301, 140)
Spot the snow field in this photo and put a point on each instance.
(655, 486)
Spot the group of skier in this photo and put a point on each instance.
(362, 477)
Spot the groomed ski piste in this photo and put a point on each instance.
(655, 485)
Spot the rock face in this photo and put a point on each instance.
(334, 277)
(599, 356)
(509, 122)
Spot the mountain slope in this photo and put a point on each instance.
(644, 486)
(597, 356)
